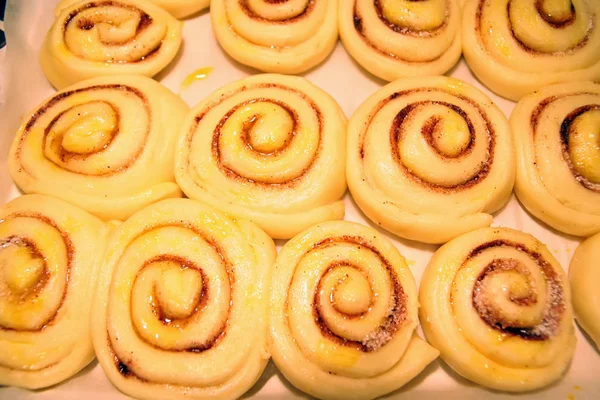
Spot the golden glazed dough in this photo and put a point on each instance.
(430, 158)
(50, 253)
(286, 37)
(343, 314)
(180, 310)
(398, 38)
(585, 278)
(518, 46)
(558, 167)
(270, 149)
(497, 306)
(105, 144)
(108, 37)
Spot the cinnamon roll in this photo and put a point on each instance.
(180, 310)
(283, 36)
(585, 275)
(394, 39)
(105, 144)
(430, 158)
(343, 314)
(518, 46)
(268, 148)
(497, 306)
(92, 38)
(558, 168)
(50, 252)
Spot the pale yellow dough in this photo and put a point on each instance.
(343, 314)
(494, 277)
(92, 38)
(50, 253)
(584, 273)
(182, 8)
(285, 37)
(268, 148)
(558, 181)
(177, 8)
(518, 46)
(398, 38)
(430, 158)
(180, 310)
(105, 144)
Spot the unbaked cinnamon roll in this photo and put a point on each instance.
(394, 39)
(343, 314)
(497, 306)
(558, 173)
(518, 46)
(50, 254)
(430, 158)
(105, 144)
(283, 36)
(108, 37)
(585, 275)
(180, 310)
(270, 149)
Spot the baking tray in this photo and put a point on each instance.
(24, 87)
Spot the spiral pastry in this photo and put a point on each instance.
(393, 39)
(558, 153)
(105, 144)
(92, 38)
(283, 36)
(429, 158)
(270, 149)
(343, 314)
(496, 304)
(50, 252)
(518, 46)
(181, 303)
(585, 275)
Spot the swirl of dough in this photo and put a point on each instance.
(270, 149)
(343, 314)
(585, 275)
(518, 46)
(92, 38)
(429, 158)
(181, 303)
(50, 252)
(394, 39)
(283, 36)
(177, 8)
(105, 144)
(496, 304)
(558, 153)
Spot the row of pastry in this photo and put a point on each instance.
(513, 46)
(183, 301)
(425, 158)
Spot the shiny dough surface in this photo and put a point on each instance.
(287, 37)
(182, 8)
(430, 158)
(518, 46)
(50, 253)
(558, 156)
(180, 310)
(497, 306)
(268, 148)
(105, 144)
(394, 39)
(92, 38)
(343, 314)
(584, 273)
